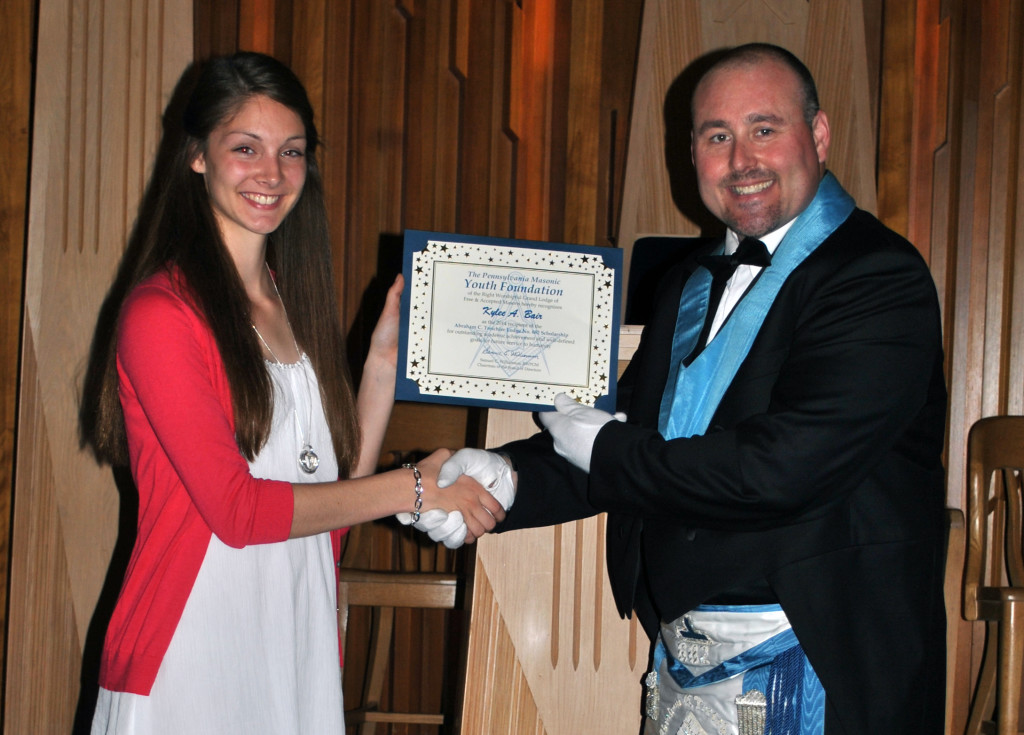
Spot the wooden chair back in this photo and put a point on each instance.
(994, 574)
(995, 461)
(383, 592)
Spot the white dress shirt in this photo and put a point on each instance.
(744, 275)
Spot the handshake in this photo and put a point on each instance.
(487, 468)
(573, 428)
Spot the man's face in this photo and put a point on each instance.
(758, 162)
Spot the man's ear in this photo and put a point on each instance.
(822, 135)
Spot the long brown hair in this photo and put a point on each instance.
(176, 229)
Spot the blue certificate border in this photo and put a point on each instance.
(415, 241)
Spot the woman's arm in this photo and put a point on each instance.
(178, 418)
(179, 423)
(376, 395)
(326, 506)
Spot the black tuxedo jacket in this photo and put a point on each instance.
(819, 478)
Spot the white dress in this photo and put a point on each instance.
(256, 649)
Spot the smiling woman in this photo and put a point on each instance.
(248, 445)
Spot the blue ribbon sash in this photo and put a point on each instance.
(692, 393)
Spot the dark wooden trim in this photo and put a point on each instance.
(17, 39)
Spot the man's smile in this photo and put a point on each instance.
(747, 189)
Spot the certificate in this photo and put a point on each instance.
(508, 323)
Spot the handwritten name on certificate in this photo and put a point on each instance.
(509, 323)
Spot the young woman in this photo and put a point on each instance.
(227, 392)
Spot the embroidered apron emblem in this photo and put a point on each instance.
(691, 726)
(691, 645)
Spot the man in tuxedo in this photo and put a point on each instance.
(775, 493)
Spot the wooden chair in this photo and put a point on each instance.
(957, 629)
(994, 576)
(385, 591)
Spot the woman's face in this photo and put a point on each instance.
(254, 165)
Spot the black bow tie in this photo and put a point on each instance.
(751, 251)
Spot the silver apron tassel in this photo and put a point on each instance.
(750, 711)
(651, 696)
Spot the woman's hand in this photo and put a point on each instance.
(376, 395)
(384, 340)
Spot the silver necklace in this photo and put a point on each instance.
(308, 459)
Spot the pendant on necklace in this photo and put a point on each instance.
(308, 460)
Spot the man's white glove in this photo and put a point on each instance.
(487, 468)
(574, 427)
(447, 528)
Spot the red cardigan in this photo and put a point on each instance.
(191, 477)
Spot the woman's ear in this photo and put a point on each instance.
(196, 157)
(199, 163)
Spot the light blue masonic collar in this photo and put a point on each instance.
(692, 393)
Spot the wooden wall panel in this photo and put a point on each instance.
(44, 657)
(971, 188)
(620, 41)
(16, 26)
(832, 38)
(546, 643)
(215, 28)
(895, 139)
(583, 154)
(962, 186)
(104, 74)
(473, 116)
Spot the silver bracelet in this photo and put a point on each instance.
(419, 491)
